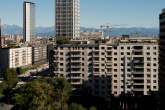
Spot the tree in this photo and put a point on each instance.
(75, 106)
(93, 108)
(11, 78)
(43, 94)
(62, 90)
(35, 95)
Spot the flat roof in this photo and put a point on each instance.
(29, 2)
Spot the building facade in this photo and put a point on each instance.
(109, 66)
(29, 22)
(0, 34)
(161, 58)
(15, 57)
(67, 18)
(39, 55)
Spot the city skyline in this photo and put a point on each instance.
(135, 14)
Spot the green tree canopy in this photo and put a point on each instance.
(11, 78)
(93, 108)
(75, 106)
(43, 94)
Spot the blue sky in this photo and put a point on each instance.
(93, 13)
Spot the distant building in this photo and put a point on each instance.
(91, 34)
(29, 22)
(67, 18)
(15, 57)
(39, 55)
(108, 66)
(162, 58)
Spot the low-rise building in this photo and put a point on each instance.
(15, 57)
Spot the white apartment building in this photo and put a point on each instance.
(67, 15)
(15, 57)
(29, 22)
(108, 66)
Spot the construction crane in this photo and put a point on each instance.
(106, 28)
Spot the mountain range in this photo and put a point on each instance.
(49, 31)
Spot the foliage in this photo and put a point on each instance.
(11, 78)
(21, 70)
(75, 106)
(93, 108)
(62, 41)
(43, 94)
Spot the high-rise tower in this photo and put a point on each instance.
(162, 58)
(67, 18)
(29, 22)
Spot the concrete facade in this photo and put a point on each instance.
(15, 57)
(109, 66)
(67, 18)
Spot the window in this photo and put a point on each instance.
(154, 81)
(115, 70)
(155, 70)
(115, 87)
(61, 64)
(115, 59)
(128, 53)
(61, 69)
(115, 81)
(148, 58)
(148, 70)
(154, 48)
(148, 64)
(148, 81)
(128, 48)
(155, 59)
(155, 87)
(122, 47)
(154, 64)
(115, 48)
(61, 53)
(115, 75)
(115, 64)
(148, 53)
(102, 47)
(148, 48)
(115, 53)
(154, 53)
(122, 53)
(154, 76)
(102, 53)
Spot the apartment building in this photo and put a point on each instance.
(39, 55)
(161, 58)
(108, 66)
(15, 57)
(67, 18)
